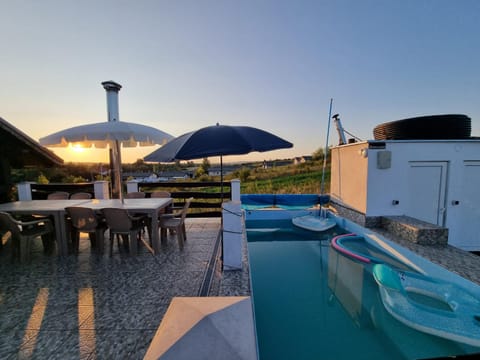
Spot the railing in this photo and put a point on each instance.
(41, 191)
(207, 196)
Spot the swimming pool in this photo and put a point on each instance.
(311, 302)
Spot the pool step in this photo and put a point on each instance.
(414, 230)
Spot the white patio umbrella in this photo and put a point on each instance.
(114, 134)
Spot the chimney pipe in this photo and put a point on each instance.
(112, 88)
(341, 132)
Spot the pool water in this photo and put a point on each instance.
(312, 303)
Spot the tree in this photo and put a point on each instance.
(243, 174)
(42, 179)
(205, 165)
(318, 154)
(199, 172)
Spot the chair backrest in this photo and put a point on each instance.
(83, 219)
(58, 195)
(81, 195)
(183, 214)
(118, 220)
(160, 194)
(7, 223)
(135, 195)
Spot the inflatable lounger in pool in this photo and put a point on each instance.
(314, 223)
(430, 305)
(358, 248)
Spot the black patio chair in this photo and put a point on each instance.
(84, 220)
(170, 221)
(80, 196)
(23, 232)
(58, 195)
(130, 227)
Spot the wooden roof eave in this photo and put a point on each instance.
(46, 155)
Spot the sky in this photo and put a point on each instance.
(271, 64)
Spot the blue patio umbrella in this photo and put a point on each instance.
(217, 140)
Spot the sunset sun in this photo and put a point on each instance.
(77, 148)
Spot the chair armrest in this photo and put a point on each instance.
(137, 217)
(33, 222)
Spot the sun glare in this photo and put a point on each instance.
(78, 148)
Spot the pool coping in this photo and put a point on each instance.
(453, 259)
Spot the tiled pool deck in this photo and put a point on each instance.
(451, 258)
(90, 307)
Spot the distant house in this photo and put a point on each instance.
(174, 175)
(274, 163)
(301, 159)
(137, 176)
(161, 176)
(19, 150)
(216, 171)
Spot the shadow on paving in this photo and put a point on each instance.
(98, 307)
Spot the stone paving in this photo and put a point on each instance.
(461, 262)
(102, 307)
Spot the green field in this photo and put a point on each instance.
(302, 178)
(288, 179)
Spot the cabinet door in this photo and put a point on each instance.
(427, 188)
(467, 234)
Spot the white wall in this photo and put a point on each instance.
(349, 171)
(358, 183)
(385, 185)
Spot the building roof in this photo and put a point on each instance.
(21, 150)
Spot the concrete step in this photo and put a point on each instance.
(414, 230)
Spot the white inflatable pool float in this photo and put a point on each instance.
(430, 305)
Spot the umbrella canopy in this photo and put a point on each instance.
(217, 140)
(100, 135)
(113, 133)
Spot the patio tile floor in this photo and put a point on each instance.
(91, 307)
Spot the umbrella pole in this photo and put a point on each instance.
(118, 169)
(221, 176)
(111, 172)
(221, 216)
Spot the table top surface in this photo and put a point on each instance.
(144, 203)
(60, 205)
(48, 205)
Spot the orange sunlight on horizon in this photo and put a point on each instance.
(81, 154)
(131, 155)
(78, 148)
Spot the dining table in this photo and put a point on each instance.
(56, 209)
(152, 207)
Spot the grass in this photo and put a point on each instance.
(304, 178)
